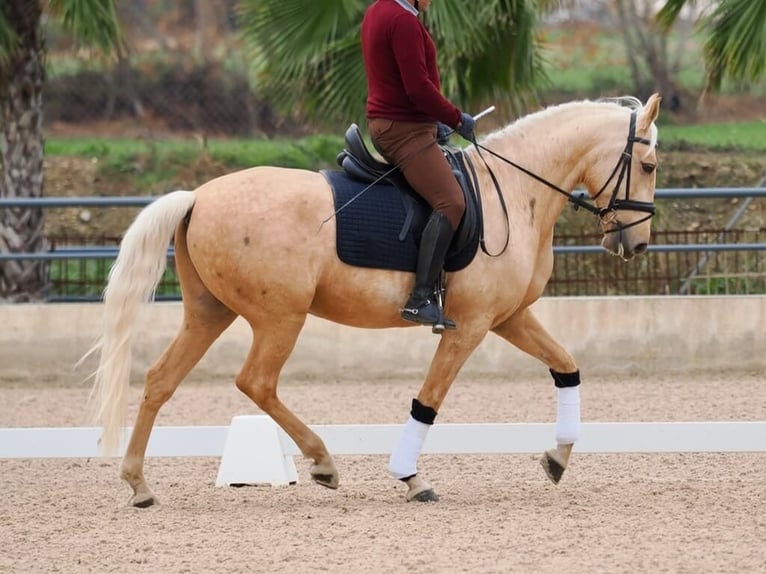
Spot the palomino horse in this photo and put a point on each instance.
(253, 243)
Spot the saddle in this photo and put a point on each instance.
(380, 217)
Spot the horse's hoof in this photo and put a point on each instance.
(427, 495)
(143, 501)
(553, 465)
(420, 490)
(325, 475)
(328, 480)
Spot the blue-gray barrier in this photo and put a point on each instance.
(111, 252)
(90, 201)
(141, 201)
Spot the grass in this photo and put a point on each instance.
(589, 61)
(151, 161)
(153, 165)
(86, 278)
(121, 154)
(746, 136)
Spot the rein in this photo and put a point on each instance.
(503, 206)
(615, 204)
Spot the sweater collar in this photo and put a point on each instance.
(407, 6)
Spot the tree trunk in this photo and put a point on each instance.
(648, 34)
(630, 48)
(206, 29)
(21, 145)
(121, 82)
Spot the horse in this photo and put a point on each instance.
(258, 243)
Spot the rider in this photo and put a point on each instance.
(404, 107)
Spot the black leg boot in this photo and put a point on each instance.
(422, 306)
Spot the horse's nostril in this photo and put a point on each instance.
(640, 248)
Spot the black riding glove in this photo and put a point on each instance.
(467, 124)
(443, 132)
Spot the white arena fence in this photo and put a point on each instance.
(254, 450)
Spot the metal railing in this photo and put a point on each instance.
(723, 260)
(734, 265)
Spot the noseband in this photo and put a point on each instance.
(621, 171)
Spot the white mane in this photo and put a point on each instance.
(630, 102)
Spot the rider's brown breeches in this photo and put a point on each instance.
(412, 146)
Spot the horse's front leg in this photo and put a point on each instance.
(453, 350)
(525, 332)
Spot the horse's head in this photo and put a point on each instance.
(622, 186)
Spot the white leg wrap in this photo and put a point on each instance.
(404, 458)
(568, 415)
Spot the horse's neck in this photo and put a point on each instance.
(553, 145)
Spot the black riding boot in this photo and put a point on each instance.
(422, 307)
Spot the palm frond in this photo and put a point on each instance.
(309, 57)
(736, 46)
(297, 29)
(342, 88)
(456, 26)
(8, 38)
(94, 22)
(505, 62)
(669, 13)
(297, 46)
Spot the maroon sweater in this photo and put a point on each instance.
(400, 61)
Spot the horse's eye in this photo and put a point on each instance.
(648, 167)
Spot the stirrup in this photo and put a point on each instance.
(437, 321)
(443, 324)
(414, 313)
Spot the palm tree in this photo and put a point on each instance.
(309, 57)
(22, 77)
(735, 45)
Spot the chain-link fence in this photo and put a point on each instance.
(184, 71)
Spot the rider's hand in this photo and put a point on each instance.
(466, 126)
(443, 132)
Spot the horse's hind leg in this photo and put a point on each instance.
(258, 380)
(205, 318)
(162, 379)
(525, 332)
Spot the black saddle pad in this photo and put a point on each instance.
(369, 228)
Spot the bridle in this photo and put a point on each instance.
(621, 171)
(623, 166)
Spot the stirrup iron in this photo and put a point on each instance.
(443, 323)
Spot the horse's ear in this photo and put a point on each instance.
(650, 112)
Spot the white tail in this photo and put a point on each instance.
(132, 281)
